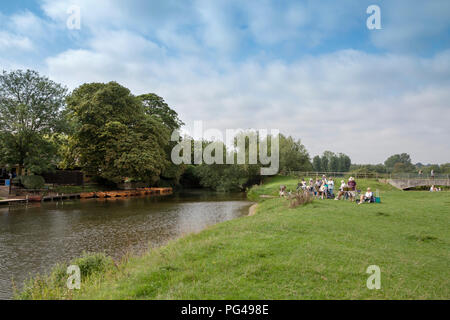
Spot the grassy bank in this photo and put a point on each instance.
(317, 251)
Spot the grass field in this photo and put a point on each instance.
(317, 251)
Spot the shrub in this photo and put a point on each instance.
(54, 285)
(93, 263)
(33, 182)
(299, 199)
(17, 180)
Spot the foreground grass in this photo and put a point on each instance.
(318, 251)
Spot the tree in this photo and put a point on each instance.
(403, 158)
(317, 163)
(31, 108)
(445, 168)
(324, 163)
(115, 138)
(344, 162)
(155, 106)
(334, 164)
(293, 155)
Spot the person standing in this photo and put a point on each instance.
(432, 174)
(331, 187)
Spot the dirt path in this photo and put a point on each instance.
(252, 209)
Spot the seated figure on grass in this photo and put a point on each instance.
(347, 189)
(367, 197)
(342, 190)
(352, 188)
(282, 191)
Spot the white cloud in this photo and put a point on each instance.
(14, 42)
(366, 105)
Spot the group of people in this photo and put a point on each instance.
(434, 189)
(321, 188)
(324, 189)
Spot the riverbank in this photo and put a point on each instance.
(317, 251)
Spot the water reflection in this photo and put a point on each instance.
(34, 237)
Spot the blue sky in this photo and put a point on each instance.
(309, 68)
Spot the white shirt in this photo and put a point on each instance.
(369, 194)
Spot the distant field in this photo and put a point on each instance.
(318, 251)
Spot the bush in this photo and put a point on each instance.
(299, 199)
(54, 285)
(32, 182)
(17, 180)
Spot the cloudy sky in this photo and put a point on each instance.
(309, 68)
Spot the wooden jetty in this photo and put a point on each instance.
(89, 195)
(11, 201)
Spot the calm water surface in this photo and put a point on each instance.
(34, 237)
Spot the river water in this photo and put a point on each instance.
(34, 237)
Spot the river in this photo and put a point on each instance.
(34, 237)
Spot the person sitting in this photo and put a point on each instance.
(303, 184)
(341, 190)
(299, 186)
(367, 197)
(311, 186)
(352, 188)
(323, 190)
(282, 191)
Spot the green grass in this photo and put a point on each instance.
(317, 251)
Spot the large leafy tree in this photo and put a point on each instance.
(114, 137)
(293, 155)
(317, 163)
(156, 107)
(344, 162)
(404, 159)
(31, 108)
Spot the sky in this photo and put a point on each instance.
(312, 69)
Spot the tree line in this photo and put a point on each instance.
(108, 133)
(115, 136)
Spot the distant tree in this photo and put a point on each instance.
(403, 158)
(445, 168)
(324, 163)
(344, 162)
(400, 167)
(293, 155)
(330, 161)
(317, 163)
(31, 108)
(334, 164)
(115, 137)
(435, 167)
